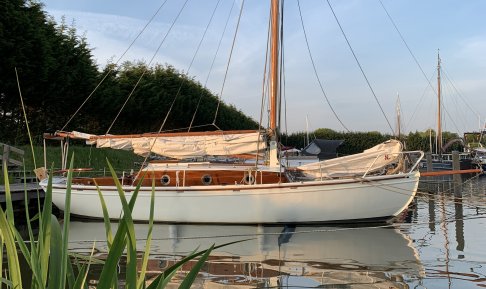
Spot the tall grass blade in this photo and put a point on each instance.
(141, 278)
(83, 272)
(131, 269)
(67, 220)
(44, 236)
(7, 230)
(108, 273)
(172, 269)
(8, 196)
(11, 248)
(55, 257)
(6, 282)
(106, 217)
(189, 279)
(127, 211)
(1, 255)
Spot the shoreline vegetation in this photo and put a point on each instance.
(52, 265)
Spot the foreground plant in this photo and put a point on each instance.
(51, 263)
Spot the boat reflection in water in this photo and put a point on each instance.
(274, 256)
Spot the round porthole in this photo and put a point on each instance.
(165, 180)
(206, 179)
(249, 179)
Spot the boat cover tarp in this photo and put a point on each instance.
(322, 148)
(370, 160)
(181, 147)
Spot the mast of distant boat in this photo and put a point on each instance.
(398, 112)
(439, 125)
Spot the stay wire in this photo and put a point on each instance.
(361, 68)
(419, 104)
(283, 92)
(148, 64)
(459, 93)
(25, 119)
(315, 70)
(229, 61)
(190, 65)
(158, 48)
(264, 86)
(281, 72)
(413, 56)
(211, 68)
(406, 45)
(115, 64)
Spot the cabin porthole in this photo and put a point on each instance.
(249, 179)
(165, 180)
(206, 179)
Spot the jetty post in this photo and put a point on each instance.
(428, 159)
(456, 178)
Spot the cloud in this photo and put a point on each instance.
(473, 49)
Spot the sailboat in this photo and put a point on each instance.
(443, 161)
(374, 185)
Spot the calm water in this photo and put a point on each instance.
(439, 243)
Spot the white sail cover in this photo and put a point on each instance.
(181, 147)
(370, 160)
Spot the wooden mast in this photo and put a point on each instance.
(274, 80)
(439, 125)
(274, 61)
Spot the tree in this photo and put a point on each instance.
(55, 70)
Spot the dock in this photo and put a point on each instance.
(18, 193)
(23, 188)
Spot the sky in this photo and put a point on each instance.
(396, 65)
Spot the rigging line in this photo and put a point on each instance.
(264, 83)
(408, 48)
(458, 92)
(419, 103)
(212, 65)
(149, 63)
(315, 70)
(450, 117)
(190, 66)
(447, 112)
(283, 91)
(281, 72)
(229, 61)
(361, 68)
(115, 64)
(460, 113)
(26, 121)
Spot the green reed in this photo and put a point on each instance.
(51, 263)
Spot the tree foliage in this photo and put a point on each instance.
(355, 142)
(155, 98)
(54, 65)
(57, 73)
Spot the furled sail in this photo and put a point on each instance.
(182, 145)
(371, 160)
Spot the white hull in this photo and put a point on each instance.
(303, 202)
